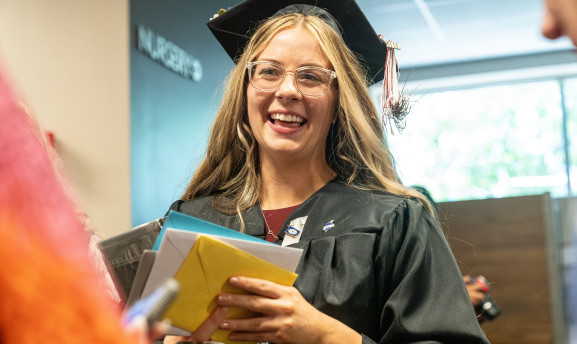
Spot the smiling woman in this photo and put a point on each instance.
(297, 156)
(299, 146)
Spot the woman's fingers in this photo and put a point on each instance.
(257, 324)
(264, 297)
(257, 286)
(205, 331)
(254, 303)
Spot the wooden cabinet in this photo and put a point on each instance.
(511, 241)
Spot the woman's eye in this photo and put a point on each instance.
(269, 71)
(310, 76)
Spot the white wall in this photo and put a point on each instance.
(69, 61)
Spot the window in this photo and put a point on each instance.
(570, 99)
(485, 142)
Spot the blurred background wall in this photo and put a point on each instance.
(69, 62)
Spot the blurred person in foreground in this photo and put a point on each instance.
(48, 282)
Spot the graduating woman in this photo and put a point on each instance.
(297, 156)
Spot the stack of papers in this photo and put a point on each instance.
(123, 254)
(202, 256)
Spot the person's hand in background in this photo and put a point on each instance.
(475, 290)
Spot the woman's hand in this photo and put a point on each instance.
(286, 316)
(205, 331)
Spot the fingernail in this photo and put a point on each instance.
(222, 299)
(233, 280)
(224, 325)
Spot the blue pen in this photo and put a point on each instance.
(153, 306)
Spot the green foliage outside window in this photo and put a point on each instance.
(487, 142)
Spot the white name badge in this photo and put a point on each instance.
(293, 233)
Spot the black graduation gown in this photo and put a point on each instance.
(384, 268)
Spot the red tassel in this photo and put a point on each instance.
(390, 95)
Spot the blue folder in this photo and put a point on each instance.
(182, 221)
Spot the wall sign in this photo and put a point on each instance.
(168, 54)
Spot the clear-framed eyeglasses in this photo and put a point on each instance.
(310, 80)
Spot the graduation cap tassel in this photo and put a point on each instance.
(395, 104)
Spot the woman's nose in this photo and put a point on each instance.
(288, 88)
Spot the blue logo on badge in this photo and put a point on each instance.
(292, 232)
(329, 225)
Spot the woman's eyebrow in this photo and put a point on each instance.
(307, 64)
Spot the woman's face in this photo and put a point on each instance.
(302, 135)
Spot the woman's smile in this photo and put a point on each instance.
(287, 120)
(286, 123)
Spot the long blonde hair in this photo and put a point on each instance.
(356, 149)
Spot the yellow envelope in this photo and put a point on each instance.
(205, 273)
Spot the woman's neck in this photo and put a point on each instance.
(285, 185)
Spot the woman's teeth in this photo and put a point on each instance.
(286, 118)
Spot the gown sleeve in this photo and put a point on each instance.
(423, 294)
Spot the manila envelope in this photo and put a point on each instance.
(204, 274)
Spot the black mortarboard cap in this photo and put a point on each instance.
(234, 28)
